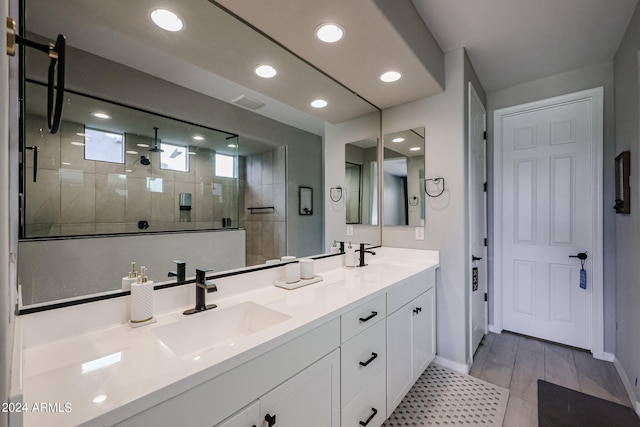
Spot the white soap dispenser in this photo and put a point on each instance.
(335, 249)
(350, 256)
(130, 279)
(142, 301)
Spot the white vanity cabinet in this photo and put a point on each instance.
(363, 364)
(246, 417)
(411, 334)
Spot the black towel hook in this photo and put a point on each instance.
(57, 53)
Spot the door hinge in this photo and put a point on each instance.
(486, 297)
(485, 186)
(485, 241)
(484, 135)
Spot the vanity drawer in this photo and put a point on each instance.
(362, 317)
(362, 358)
(369, 405)
(415, 286)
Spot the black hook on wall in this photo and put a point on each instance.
(57, 53)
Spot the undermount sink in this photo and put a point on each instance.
(219, 327)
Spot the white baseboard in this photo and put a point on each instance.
(450, 364)
(495, 329)
(608, 357)
(627, 385)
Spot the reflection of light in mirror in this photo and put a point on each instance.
(154, 185)
(66, 163)
(265, 71)
(390, 76)
(80, 144)
(101, 115)
(414, 149)
(198, 138)
(231, 145)
(143, 145)
(132, 152)
(319, 103)
(166, 20)
(193, 153)
(329, 33)
(99, 399)
(102, 362)
(399, 139)
(81, 134)
(128, 170)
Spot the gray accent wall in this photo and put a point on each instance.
(626, 240)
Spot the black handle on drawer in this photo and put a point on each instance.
(374, 412)
(371, 316)
(417, 310)
(270, 419)
(371, 359)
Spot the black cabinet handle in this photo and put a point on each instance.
(371, 316)
(270, 419)
(371, 359)
(417, 310)
(374, 412)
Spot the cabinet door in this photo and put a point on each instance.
(399, 356)
(310, 399)
(246, 417)
(423, 315)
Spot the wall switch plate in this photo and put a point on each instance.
(419, 233)
(349, 230)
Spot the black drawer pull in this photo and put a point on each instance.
(417, 310)
(374, 412)
(371, 316)
(371, 359)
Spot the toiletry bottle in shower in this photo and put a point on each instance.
(131, 278)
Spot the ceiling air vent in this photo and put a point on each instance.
(246, 102)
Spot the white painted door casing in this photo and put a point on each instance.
(547, 206)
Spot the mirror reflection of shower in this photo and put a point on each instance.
(361, 182)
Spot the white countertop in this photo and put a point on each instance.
(127, 370)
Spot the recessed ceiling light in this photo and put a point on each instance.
(414, 149)
(329, 33)
(166, 20)
(101, 115)
(390, 76)
(132, 152)
(198, 138)
(231, 145)
(265, 71)
(398, 139)
(143, 145)
(319, 103)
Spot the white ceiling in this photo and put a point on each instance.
(511, 42)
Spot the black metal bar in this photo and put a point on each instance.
(374, 412)
(371, 316)
(35, 150)
(373, 357)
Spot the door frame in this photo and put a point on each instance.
(474, 95)
(596, 96)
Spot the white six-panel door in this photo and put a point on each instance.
(549, 198)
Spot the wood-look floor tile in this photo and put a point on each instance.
(480, 356)
(560, 367)
(619, 389)
(528, 368)
(520, 413)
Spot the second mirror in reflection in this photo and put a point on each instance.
(361, 182)
(403, 169)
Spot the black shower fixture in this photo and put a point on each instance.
(145, 160)
(156, 143)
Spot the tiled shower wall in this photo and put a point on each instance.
(74, 196)
(263, 181)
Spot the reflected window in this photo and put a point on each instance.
(174, 157)
(225, 166)
(103, 146)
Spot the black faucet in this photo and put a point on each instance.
(341, 246)
(362, 252)
(203, 287)
(180, 273)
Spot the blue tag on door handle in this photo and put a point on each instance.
(583, 278)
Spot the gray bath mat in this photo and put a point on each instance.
(442, 397)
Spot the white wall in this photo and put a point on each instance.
(336, 137)
(572, 81)
(627, 227)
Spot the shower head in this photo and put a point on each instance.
(156, 147)
(145, 161)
